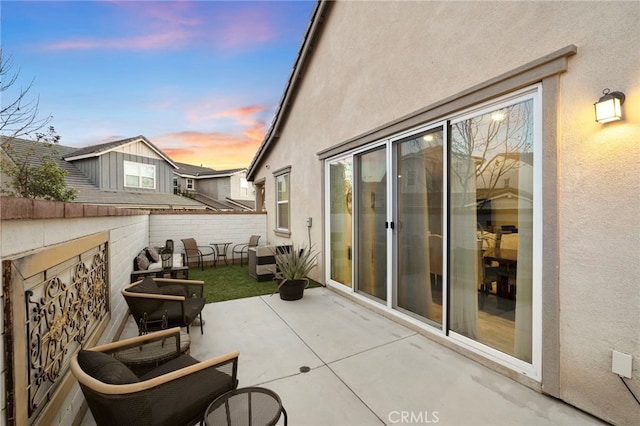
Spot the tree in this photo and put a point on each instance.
(32, 177)
(28, 176)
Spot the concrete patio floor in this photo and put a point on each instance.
(365, 368)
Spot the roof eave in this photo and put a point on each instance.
(318, 14)
(133, 140)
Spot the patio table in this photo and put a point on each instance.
(251, 406)
(221, 251)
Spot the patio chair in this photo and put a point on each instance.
(192, 249)
(176, 392)
(159, 303)
(242, 249)
(487, 275)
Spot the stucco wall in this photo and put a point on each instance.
(378, 61)
(237, 191)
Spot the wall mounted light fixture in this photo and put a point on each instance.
(609, 106)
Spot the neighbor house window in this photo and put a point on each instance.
(138, 175)
(190, 184)
(282, 200)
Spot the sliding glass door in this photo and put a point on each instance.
(371, 222)
(491, 228)
(419, 244)
(340, 220)
(443, 221)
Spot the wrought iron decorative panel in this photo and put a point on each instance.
(61, 311)
(65, 292)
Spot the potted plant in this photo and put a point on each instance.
(292, 266)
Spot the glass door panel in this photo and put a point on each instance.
(340, 219)
(371, 214)
(419, 270)
(491, 228)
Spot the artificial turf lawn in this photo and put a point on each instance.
(232, 282)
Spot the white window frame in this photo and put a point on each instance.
(190, 184)
(533, 369)
(141, 171)
(284, 173)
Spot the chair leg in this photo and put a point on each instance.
(201, 324)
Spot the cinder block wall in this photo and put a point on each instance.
(206, 228)
(30, 225)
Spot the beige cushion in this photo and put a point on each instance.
(142, 262)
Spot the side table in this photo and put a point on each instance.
(221, 251)
(252, 406)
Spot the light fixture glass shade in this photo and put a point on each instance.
(609, 107)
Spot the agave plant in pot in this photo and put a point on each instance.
(293, 264)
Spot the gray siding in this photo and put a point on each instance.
(91, 168)
(112, 172)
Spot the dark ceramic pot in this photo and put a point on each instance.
(292, 289)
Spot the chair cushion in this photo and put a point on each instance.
(148, 285)
(142, 262)
(147, 305)
(152, 255)
(175, 364)
(196, 391)
(105, 368)
(173, 290)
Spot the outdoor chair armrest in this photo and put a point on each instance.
(210, 250)
(242, 247)
(171, 335)
(192, 287)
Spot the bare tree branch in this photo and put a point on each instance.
(20, 117)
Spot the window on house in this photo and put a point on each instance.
(191, 184)
(282, 201)
(139, 175)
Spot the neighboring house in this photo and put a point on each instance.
(131, 173)
(388, 144)
(219, 189)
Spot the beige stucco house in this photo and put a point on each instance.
(445, 159)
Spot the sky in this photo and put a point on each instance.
(200, 79)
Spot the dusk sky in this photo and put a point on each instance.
(199, 79)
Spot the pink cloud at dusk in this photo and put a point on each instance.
(245, 27)
(173, 39)
(176, 25)
(207, 113)
(215, 149)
